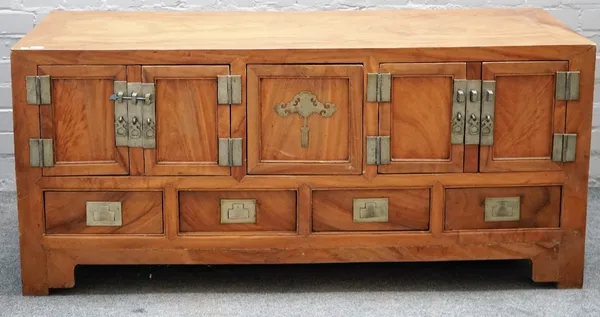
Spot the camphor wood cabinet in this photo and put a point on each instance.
(301, 137)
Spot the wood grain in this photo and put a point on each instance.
(540, 207)
(188, 120)
(274, 142)
(526, 116)
(477, 28)
(408, 209)
(200, 211)
(65, 212)
(421, 99)
(81, 119)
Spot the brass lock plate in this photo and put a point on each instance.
(238, 211)
(103, 213)
(370, 209)
(502, 209)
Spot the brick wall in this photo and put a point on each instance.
(18, 16)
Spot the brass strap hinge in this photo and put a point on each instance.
(564, 147)
(567, 85)
(229, 89)
(41, 153)
(378, 150)
(38, 90)
(135, 119)
(230, 152)
(379, 87)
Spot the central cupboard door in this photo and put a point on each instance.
(419, 118)
(305, 119)
(188, 120)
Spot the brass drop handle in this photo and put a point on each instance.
(488, 118)
(121, 119)
(473, 116)
(458, 116)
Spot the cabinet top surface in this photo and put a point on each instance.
(109, 30)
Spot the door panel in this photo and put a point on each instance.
(526, 116)
(305, 119)
(80, 121)
(418, 118)
(188, 120)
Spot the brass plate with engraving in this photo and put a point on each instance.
(370, 209)
(103, 213)
(502, 209)
(238, 211)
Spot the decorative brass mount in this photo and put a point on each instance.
(305, 103)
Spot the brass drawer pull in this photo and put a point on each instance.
(238, 211)
(370, 210)
(103, 213)
(502, 209)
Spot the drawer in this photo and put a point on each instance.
(103, 212)
(237, 211)
(499, 208)
(371, 210)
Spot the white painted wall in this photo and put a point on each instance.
(19, 16)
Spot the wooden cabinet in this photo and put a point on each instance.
(295, 137)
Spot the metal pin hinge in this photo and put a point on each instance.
(38, 90)
(564, 147)
(567, 85)
(378, 150)
(229, 89)
(41, 153)
(379, 87)
(230, 152)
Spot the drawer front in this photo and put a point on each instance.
(500, 208)
(237, 211)
(371, 210)
(103, 212)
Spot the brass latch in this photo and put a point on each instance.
(230, 152)
(564, 147)
(379, 87)
(41, 153)
(134, 114)
(38, 90)
(378, 150)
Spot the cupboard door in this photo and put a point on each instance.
(526, 115)
(419, 117)
(305, 119)
(189, 122)
(80, 121)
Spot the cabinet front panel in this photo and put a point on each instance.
(304, 119)
(502, 208)
(526, 115)
(371, 210)
(237, 211)
(80, 121)
(418, 119)
(94, 212)
(188, 120)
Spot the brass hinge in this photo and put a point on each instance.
(563, 147)
(567, 85)
(230, 152)
(38, 90)
(41, 153)
(378, 150)
(229, 89)
(379, 87)
(134, 114)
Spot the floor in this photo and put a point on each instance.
(494, 288)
